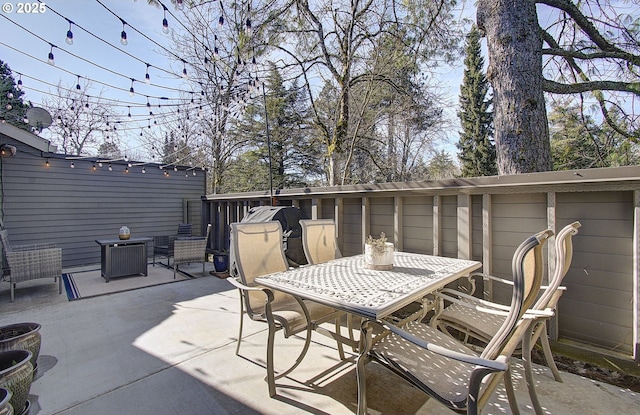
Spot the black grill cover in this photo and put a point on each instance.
(289, 218)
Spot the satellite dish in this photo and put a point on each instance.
(39, 118)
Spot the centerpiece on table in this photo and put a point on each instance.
(378, 253)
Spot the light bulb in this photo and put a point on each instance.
(147, 78)
(131, 91)
(110, 168)
(123, 38)
(73, 166)
(143, 171)
(69, 38)
(221, 20)
(10, 95)
(51, 60)
(179, 5)
(20, 84)
(184, 73)
(165, 25)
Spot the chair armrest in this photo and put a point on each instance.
(498, 365)
(491, 277)
(474, 303)
(32, 247)
(241, 286)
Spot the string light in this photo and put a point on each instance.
(129, 113)
(179, 5)
(51, 59)
(69, 38)
(123, 35)
(78, 84)
(20, 83)
(143, 170)
(221, 20)
(132, 92)
(73, 166)
(184, 70)
(165, 23)
(147, 78)
(46, 163)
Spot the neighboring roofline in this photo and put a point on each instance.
(27, 138)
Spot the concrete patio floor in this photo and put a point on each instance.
(170, 349)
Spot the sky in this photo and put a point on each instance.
(97, 56)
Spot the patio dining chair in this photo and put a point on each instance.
(444, 368)
(256, 249)
(478, 320)
(190, 249)
(163, 244)
(30, 262)
(320, 245)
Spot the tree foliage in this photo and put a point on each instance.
(587, 49)
(81, 125)
(477, 151)
(12, 108)
(578, 142)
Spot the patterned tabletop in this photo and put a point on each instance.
(347, 285)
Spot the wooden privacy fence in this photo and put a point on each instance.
(485, 219)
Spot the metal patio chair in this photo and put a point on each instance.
(446, 369)
(190, 249)
(478, 320)
(320, 244)
(256, 249)
(30, 262)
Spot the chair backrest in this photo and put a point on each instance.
(4, 237)
(527, 268)
(184, 229)
(256, 249)
(319, 240)
(564, 256)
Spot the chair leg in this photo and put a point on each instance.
(528, 371)
(13, 287)
(365, 345)
(548, 356)
(511, 394)
(339, 335)
(241, 321)
(60, 284)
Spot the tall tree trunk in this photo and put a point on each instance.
(515, 73)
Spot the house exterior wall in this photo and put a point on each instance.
(487, 218)
(75, 206)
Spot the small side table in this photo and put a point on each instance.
(120, 257)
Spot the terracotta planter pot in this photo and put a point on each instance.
(16, 375)
(5, 406)
(22, 336)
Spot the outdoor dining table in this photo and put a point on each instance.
(346, 284)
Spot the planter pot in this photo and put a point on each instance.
(5, 406)
(373, 259)
(22, 336)
(221, 262)
(16, 375)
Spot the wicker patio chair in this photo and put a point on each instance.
(30, 262)
(190, 249)
(256, 249)
(163, 244)
(444, 368)
(478, 320)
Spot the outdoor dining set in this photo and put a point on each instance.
(412, 319)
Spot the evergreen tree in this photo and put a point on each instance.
(477, 150)
(12, 109)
